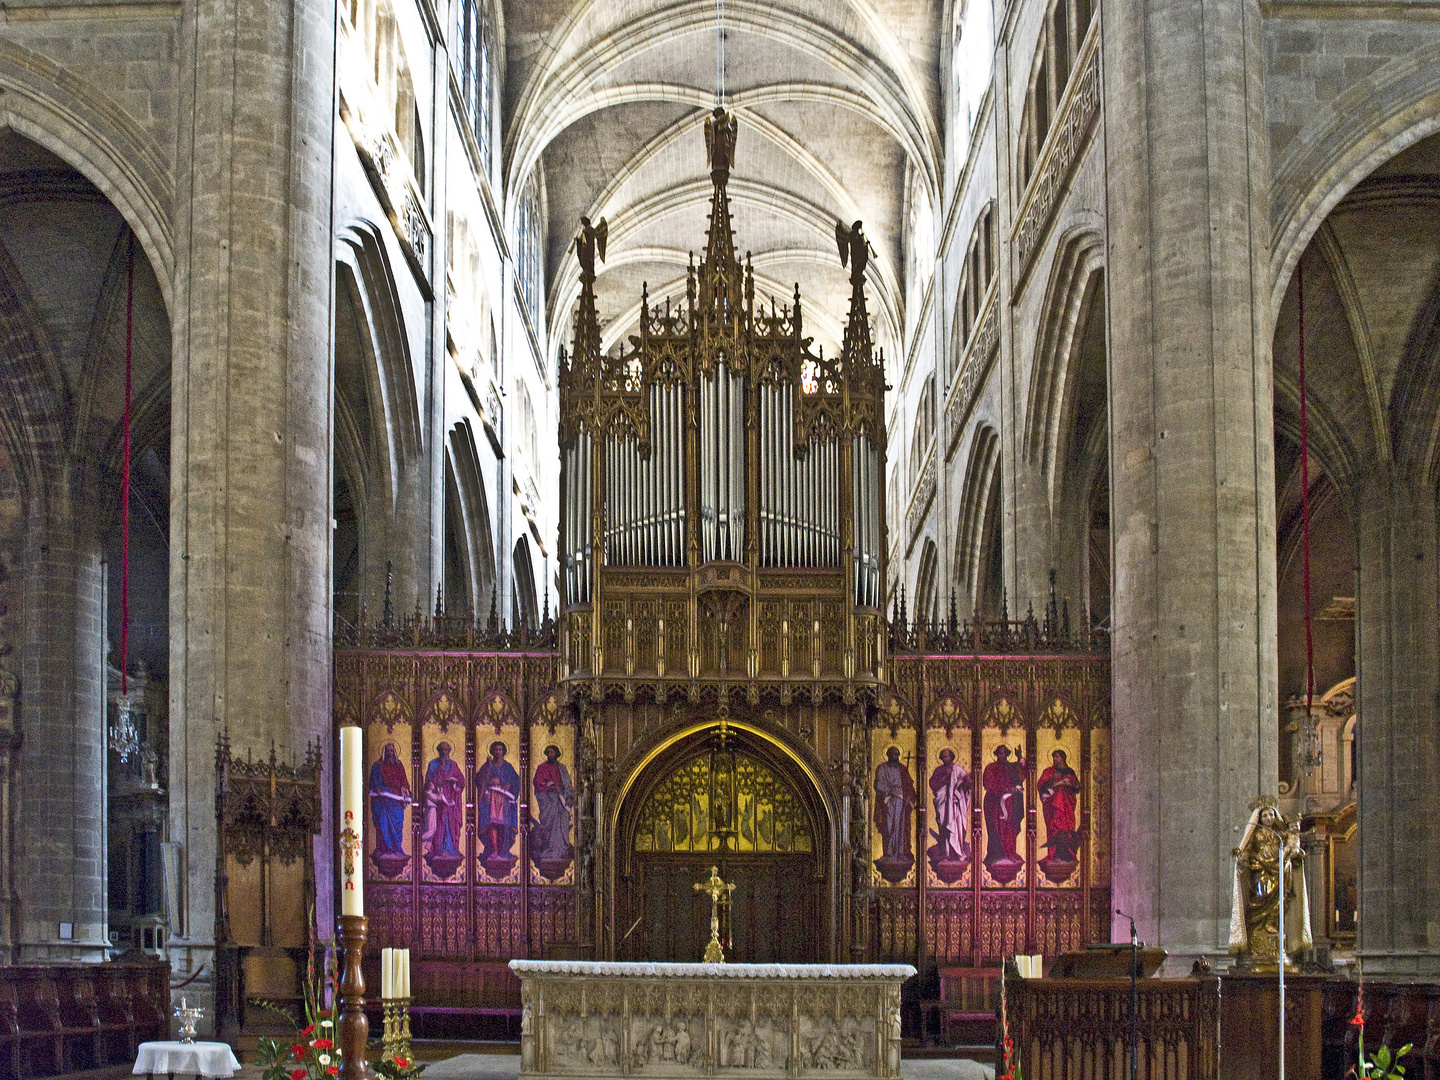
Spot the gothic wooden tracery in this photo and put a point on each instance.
(679, 814)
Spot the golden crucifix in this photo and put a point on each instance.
(719, 893)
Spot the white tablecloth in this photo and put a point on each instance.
(192, 1059)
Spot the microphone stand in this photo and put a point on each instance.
(1134, 990)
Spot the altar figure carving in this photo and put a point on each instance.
(676, 1021)
(1255, 903)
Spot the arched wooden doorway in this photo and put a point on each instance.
(745, 808)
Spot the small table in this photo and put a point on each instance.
(210, 1059)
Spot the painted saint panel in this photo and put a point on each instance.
(1002, 783)
(1059, 798)
(552, 805)
(894, 799)
(951, 791)
(389, 796)
(497, 804)
(442, 804)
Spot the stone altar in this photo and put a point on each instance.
(607, 1018)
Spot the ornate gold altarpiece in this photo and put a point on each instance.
(722, 686)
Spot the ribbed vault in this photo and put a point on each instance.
(838, 102)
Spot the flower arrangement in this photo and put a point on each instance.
(1384, 1065)
(1009, 1060)
(314, 1053)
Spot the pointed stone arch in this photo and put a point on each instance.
(1077, 271)
(980, 486)
(53, 107)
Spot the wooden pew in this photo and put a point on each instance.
(62, 1018)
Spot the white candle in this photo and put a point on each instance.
(404, 972)
(386, 959)
(352, 816)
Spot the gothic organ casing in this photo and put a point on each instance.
(722, 541)
(719, 689)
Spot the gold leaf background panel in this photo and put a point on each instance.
(388, 798)
(1100, 806)
(443, 785)
(949, 792)
(552, 805)
(1002, 792)
(892, 806)
(496, 787)
(1059, 799)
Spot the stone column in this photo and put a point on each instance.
(250, 488)
(1399, 752)
(59, 770)
(9, 691)
(1192, 462)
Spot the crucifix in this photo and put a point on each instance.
(719, 893)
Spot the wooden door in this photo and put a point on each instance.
(774, 916)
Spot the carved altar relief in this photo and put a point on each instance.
(685, 1020)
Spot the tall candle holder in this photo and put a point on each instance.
(395, 1039)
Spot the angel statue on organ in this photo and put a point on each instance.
(590, 243)
(1268, 851)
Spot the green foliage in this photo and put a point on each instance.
(1383, 1066)
(396, 1068)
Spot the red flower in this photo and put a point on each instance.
(297, 1051)
(404, 1063)
(1358, 1020)
(298, 1074)
(333, 1070)
(309, 1030)
(323, 1044)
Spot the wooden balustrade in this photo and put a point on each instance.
(1064, 1028)
(1205, 1028)
(64, 1018)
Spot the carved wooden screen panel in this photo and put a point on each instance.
(456, 766)
(679, 816)
(1010, 786)
(734, 812)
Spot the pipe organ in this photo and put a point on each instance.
(721, 477)
(722, 691)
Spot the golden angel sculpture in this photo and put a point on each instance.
(1255, 911)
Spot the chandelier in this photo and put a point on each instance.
(124, 736)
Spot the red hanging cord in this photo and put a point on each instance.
(1305, 497)
(125, 476)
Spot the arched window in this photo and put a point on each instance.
(920, 241)
(531, 442)
(527, 250)
(972, 53)
(475, 49)
(975, 278)
(924, 428)
(1066, 24)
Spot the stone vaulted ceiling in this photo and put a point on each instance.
(837, 100)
